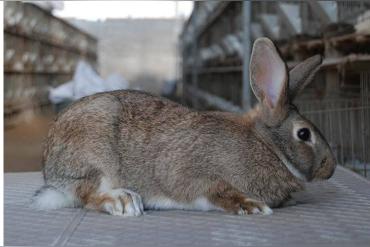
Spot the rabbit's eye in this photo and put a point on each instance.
(304, 134)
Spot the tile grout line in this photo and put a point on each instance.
(63, 238)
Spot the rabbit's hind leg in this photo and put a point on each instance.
(231, 200)
(120, 202)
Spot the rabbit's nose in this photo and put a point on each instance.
(326, 168)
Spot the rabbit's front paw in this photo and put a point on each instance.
(249, 206)
(124, 203)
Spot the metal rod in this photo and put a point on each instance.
(246, 95)
(214, 100)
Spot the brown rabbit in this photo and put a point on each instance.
(123, 151)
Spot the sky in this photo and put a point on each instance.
(100, 10)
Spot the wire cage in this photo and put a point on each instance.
(346, 125)
(348, 11)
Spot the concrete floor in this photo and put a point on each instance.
(334, 213)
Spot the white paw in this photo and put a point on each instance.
(135, 206)
(242, 212)
(266, 210)
(113, 208)
(126, 203)
(245, 212)
(256, 211)
(258, 208)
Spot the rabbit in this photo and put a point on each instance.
(125, 151)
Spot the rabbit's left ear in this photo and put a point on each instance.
(268, 73)
(268, 78)
(302, 74)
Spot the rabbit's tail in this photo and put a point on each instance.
(48, 197)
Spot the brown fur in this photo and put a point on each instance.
(88, 196)
(158, 148)
(231, 200)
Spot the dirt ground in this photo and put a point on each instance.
(23, 143)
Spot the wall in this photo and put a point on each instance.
(143, 51)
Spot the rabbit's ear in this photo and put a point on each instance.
(268, 74)
(302, 74)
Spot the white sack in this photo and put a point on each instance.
(86, 82)
(61, 93)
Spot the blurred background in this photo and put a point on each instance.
(56, 52)
(194, 53)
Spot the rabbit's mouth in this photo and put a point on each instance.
(325, 170)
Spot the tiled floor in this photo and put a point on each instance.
(333, 213)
